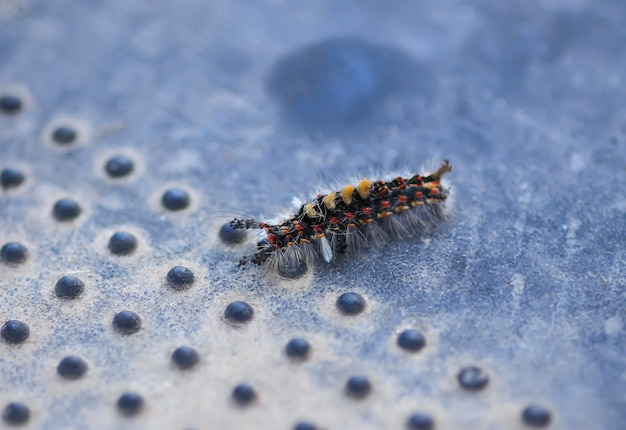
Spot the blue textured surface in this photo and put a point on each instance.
(246, 106)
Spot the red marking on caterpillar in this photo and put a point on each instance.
(350, 220)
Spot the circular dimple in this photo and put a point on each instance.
(11, 178)
(130, 404)
(358, 387)
(16, 413)
(69, 288)
(127, 322)
(64, 135)
(419, 421)
(185, 357)
(411, 340)
(473, 378)
(14, 332)
(293, 269)
(305, 425)
(175, 199)
(119, 166)
(72, 367)
(180, 278)
(122, 243)
(350, 303)
(10, 104)
(238, 311)
(536, 416)
(66, 210)
(244, 394)
(232, 236)
(13, 253)
(298, 348)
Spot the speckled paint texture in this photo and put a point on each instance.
(237, 108)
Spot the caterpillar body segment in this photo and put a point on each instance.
(350, 220)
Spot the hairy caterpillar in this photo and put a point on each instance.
(350, 220)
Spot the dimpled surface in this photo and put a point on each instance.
(244, 106)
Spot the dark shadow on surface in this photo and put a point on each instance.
(344, 83)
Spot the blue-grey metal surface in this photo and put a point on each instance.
(244, 106)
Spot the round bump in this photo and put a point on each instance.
(127, 322)
(72, 367)
(244, 394)
(11, 178)
(119, 166)
(180, 278)
(231, 236)
(14, 332)
(305, 425)
(66, 210)
(411, 340)
(298, 348)
(16, 413)
(420, 421)
(358, 387)
(64, 135)
(69, 288)
(130, 404)
(122, 243)
(473, 378)
(175, 199)
(292, 270)
(13, 253)
(536, 416)
(239, 312)
(350, 303)
(185, 357)
(10, 104)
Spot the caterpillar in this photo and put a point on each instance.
(350, 220)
